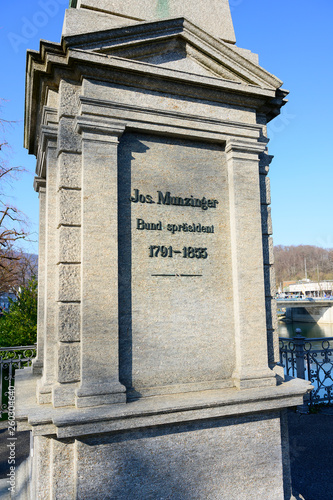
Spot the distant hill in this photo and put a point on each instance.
(293, 263)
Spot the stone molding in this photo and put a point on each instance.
(39, 184)
(241, 68)
(146, 118)
(70, 422)
(94, 129)
(48, 140)
(237, 150)
(54, 59)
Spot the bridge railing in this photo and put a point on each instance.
(12, 358)
(310, 359)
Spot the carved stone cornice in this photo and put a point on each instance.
(96, 129)
(244, 149)
(153, 117)
(48, 139)
(39, 184)
(230, 77)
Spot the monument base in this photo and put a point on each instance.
(226, 444)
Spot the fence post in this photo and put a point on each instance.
(299, 342)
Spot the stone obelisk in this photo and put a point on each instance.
(157, 370)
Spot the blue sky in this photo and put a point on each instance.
(294, 41)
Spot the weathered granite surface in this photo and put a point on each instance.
(157, 353)
(213, 16)
(212, 444)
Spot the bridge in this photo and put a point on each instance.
(309, 310)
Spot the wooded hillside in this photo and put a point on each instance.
(298, 262)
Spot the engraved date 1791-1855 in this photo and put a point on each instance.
(187, 252)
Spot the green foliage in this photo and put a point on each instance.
(18, 326)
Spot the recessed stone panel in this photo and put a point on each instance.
(176, 302)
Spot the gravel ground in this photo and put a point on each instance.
(311, 454)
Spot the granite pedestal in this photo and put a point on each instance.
(157, 372)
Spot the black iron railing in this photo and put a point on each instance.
(12, 358)
(310, 359)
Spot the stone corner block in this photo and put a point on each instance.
(69, 244)
(69, 101)
(69, 207)
(69, 283)
(69, 322)
(69, 171)
(68, 139)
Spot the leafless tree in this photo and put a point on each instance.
(13, 224)
(297, 262)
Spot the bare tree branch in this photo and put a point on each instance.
(14, 264)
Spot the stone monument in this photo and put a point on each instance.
(157, 369)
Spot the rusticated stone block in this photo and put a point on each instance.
(69, 171)
(69, 281)
(68, 140)
(69, 101)
(69, 242)
(69, 207)
(268, 250)
(69, 322)
(266, 220)
(265, 190)
(69, 363)
(270, 286)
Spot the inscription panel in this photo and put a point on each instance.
(176, 312)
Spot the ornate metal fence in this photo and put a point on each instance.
(12, 358)
(310, 359)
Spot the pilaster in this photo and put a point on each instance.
(99, 380)
(49, 145)
(68, 249)
(40, 187)
(268, 256)
(251, 364)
